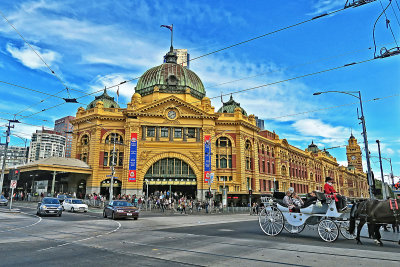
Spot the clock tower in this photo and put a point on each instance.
(354, 156)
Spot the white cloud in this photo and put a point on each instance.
(343, 163)
(126, 90)
(29, 58)
(322, 6)
(315, 127)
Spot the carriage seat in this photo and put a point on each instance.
(321, 197)
(278, 196)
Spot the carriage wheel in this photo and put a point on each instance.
(271, 221)
(328, 230)
(344, 230)
(294, 229)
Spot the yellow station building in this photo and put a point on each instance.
(173, 119)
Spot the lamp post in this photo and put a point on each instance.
(384, 195)
(357, 94)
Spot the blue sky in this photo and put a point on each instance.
(101, 43)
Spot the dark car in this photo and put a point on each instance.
(120, 209)
(3, 200)
(61, 198)
(49, 206)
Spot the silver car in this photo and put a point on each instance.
(3, 200)
(49, 206)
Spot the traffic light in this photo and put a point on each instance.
(14, 174)
(250, 192)
(209, 194)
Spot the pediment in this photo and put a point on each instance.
(184, 108)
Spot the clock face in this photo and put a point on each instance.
(353, 157)
(171, 114)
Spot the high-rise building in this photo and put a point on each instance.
(45, 144)
(65, 127)
(259, 123)
(183, 57)
(15, 155)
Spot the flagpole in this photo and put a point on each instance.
(118, 96)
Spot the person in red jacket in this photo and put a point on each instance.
(330, 191)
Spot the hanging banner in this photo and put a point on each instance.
(132, 158)
(207, 158)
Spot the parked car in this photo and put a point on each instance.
(120, 209)
(73, 204)
(3, 200)
(49, 206)
(61, 198)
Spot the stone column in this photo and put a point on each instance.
(143, 132)
(198, 135)
(157, 133)
(185, 133)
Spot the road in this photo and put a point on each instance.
(81, 239)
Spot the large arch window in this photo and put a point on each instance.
(224, 153)
(170, 168)
(118, 159)
(114, 137)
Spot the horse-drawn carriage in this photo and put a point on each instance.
(322, 213)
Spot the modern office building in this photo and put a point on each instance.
(65, 127)
(45, 144)
(15, 155)
(183, 57)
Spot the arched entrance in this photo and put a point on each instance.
(105, 187)
(81, 189)
(170, 175)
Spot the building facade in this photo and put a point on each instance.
(183, 57)
(45, 144)
(170, 138)
(15, 155)
(65, 127)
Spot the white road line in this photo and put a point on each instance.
(80, 240)
(18, 228)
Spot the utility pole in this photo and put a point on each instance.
(112, 169)
(391, 172)
(8, 132)
(383, 180)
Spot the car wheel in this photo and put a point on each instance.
(113, 216)
(135, 218)
(72, 209)
(85, 211)
(37, 213)
(59, 215)
(104, 214)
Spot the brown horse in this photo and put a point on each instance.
(375, 213)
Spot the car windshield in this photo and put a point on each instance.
(50, 201)
(77, 201)
(122, 204)
(63, 196)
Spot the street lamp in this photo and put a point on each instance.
(357, 94)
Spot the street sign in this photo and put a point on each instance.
(13, 184)
(211, 180)
(110, 175)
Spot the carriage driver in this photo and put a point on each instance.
(292, 200)
(331, 192)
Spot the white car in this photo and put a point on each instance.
(73, 204)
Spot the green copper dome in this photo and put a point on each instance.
(170, 77)
(313, 147)
(229, 107)
(107, 100)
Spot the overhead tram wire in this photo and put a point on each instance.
(258, 37)
(376, 21)
(216, 51)
(247, 89)
(388, 21)
(395, 14)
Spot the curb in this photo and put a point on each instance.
(10, 211)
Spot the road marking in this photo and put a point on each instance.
(18, 228)
(80, 240)
(225, 230)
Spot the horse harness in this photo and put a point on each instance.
(394, 207)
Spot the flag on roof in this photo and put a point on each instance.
(167, 26)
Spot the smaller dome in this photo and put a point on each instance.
(107, 100)
(313, 147)
(229, 107)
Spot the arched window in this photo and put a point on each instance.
(283, 170)
(267, 150)
(262, 149)
(248, 155)
(272, 152)
(224, 153)
(114, 137)
(85, 140)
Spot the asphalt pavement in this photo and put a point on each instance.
(82, 239)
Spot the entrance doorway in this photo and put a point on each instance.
(171, 175)
(105, 188)
(81, 189)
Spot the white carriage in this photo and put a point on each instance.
(322, 213)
